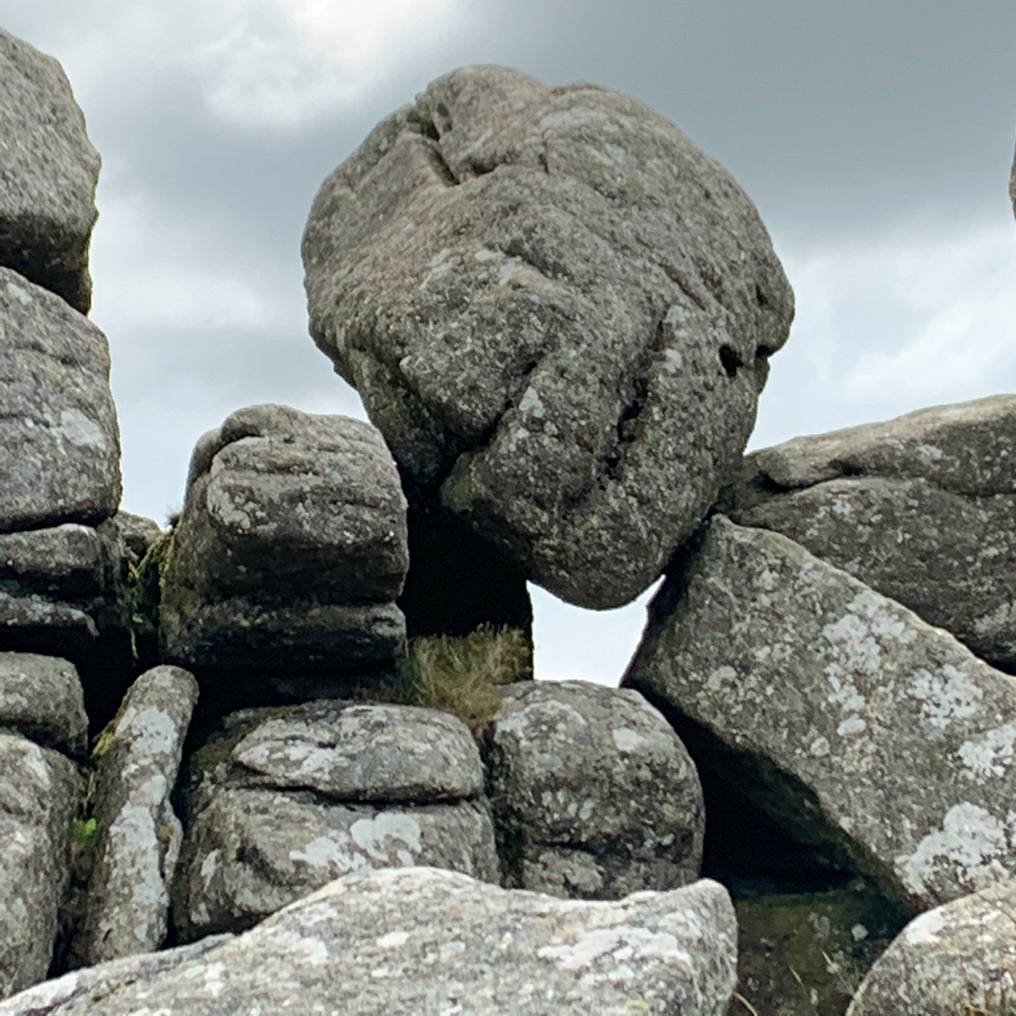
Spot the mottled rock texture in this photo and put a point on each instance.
(920, 508)
(138, 534)
(852, 722)
(957, 958)
(40, 697)
(594, 795)
(59, 442)
(50, 171)
(38, 800)
(285, 800)
(139, 834)
(290, 550)
(425, 941)
(558, 311)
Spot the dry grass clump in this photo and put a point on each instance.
(463, 675)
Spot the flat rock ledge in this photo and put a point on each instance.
(419, 940)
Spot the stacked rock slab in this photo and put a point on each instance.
(287, 558)
(594, 795)
(420, 940)
(863, 730)
(285, 800)
(557, 310)
(920, 508)
(138, 832)
(42, 722)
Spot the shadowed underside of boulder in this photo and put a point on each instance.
(557, 310)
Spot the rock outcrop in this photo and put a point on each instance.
(424, 941)
(852, 722)
(557, 310)
(50, 171)
(286, 800)
(595, 796)
(919, 508)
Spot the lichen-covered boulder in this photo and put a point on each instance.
(290, 550)
(41, 697)
(50, 171)
(594, 795)
(38, 801)
(59, 442)
(920, 508)
(557, 310)
(857, 726)
(138, 833)
(285, 800)
(425, 941)
(957, 958)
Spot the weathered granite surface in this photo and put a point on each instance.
(41, 698)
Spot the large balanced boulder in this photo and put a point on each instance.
(289, 554)
(285, 800)
(857, 726)
(425, 941)
(957, 958)
(594, 795)
(558, 311)
(920, 508)
(50, 171)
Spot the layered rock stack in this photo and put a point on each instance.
(559, 313)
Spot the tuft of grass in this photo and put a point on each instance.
(463, 675)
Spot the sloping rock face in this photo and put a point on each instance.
(957, 958)
(595, 796)
(139, 834)
(47, 203)
(557, 310)
(920, 508)
(286, 800)
(289, 553)
(854, 723)
(38, 800)
(425, 941)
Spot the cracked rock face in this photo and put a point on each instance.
(557, 310)
(919, 508)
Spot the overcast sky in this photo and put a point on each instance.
(875, 136)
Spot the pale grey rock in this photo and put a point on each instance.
(920, 508)
(347, 752)
(59, 442)
(38, 800)
(594, 794)
(138, 534)
(139, 834)
(557, 310)
(290, 550)
(857, 726)
(50, 171)
(251, 852)
(957, 958)
(425, 941)
(41, 697)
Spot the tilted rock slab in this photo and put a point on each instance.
(957, 958)
(849, 719)
(424, 941)
(38, 800)
(47, 202)
(557, 310)
(594, 794)
(288, 799)
(290, 550)
(40, 697)
(139, 834)
(59, 442)
(920, 508)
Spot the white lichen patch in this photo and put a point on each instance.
(627, 739)
(393, 940)
(925, 929)
(77, 429)
(989, 755)
(970, 850)
(615, 946)
(945, 697)
(151, 730)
